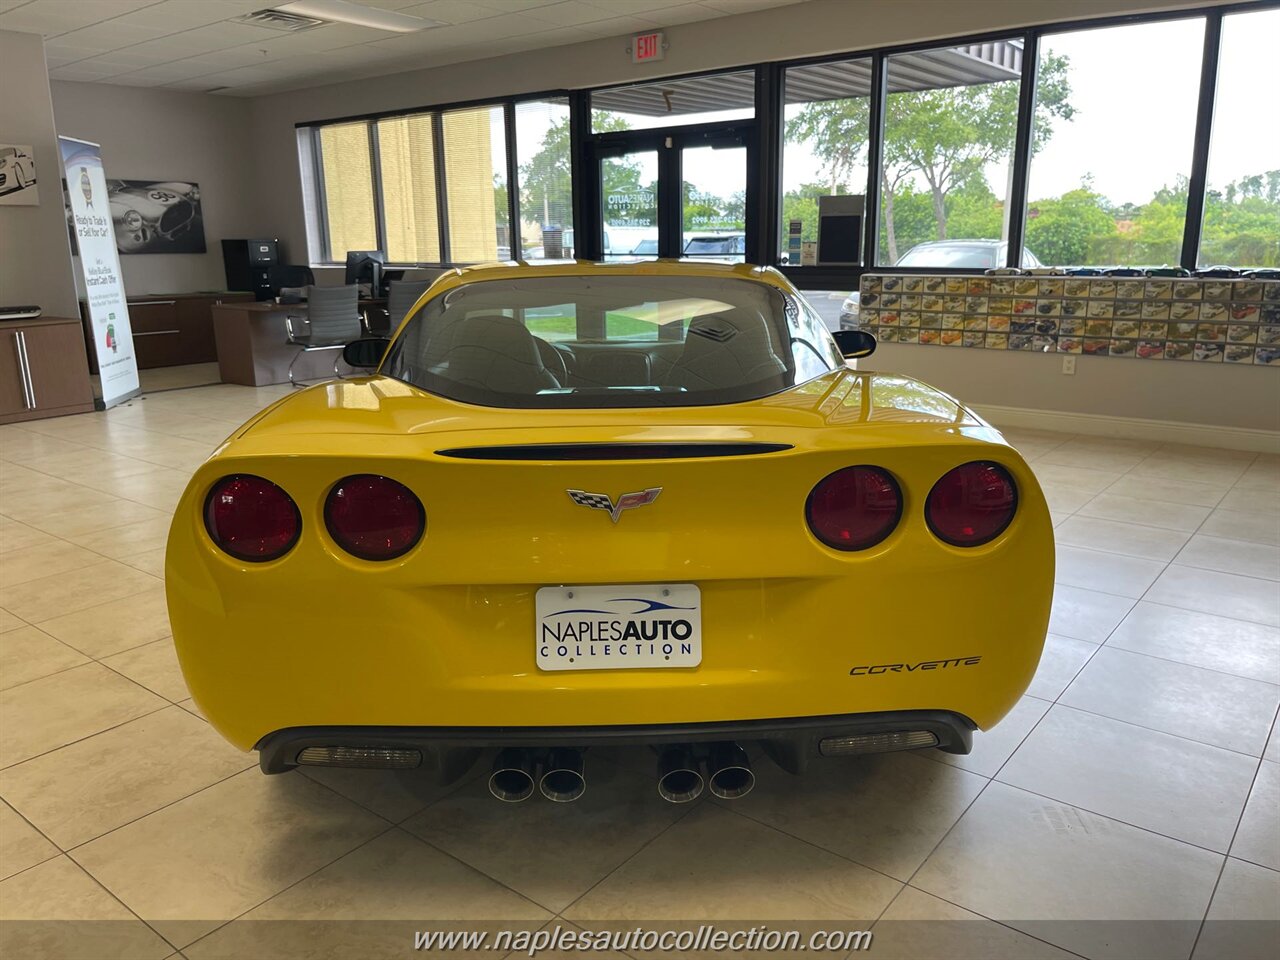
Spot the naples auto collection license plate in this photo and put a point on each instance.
(618, 627)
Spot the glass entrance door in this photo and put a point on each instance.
(673, 193)
(713, 199)
(629, 204)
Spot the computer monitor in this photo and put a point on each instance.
(365, 266)
(388, 278)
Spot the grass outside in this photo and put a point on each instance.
(617, 326)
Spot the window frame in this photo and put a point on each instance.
(764, 225)
(436, 112)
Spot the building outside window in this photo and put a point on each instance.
(951, 116)
(674, 102)
(826, 128)
(347, 169)
(1242, 201)
(475, 159)
(545, 163)
(410, 213)
(396, 207)
(1108, 181)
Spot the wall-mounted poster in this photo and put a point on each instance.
(153, 216)
(18, 175)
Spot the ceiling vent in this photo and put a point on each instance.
(280, 20)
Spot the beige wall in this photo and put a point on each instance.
(1217, 394)
(35, 252)
(151, 134)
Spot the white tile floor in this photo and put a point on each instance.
(1133, 793)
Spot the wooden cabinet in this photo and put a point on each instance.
(43, 369)
(169, 330)
(156, 333)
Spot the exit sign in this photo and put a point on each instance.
(648, 47)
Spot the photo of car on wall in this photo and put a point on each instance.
(156, 216)
(17, 176)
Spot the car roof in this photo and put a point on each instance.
(515, 270)
(958, 243)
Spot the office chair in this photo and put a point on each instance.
(400, 300)
(332, 321)
(291, 276)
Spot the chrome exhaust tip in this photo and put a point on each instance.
(562, 779)
(729, 771)
(512, 778)
(679, 780)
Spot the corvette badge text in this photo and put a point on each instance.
(879, 668)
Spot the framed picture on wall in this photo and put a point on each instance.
(18, 175)
(156, 216)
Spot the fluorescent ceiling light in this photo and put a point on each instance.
(342, 11)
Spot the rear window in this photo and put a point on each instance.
(611, 341)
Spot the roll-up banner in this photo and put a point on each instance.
(100, 267)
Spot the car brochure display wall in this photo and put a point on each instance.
(112, 335)
(1202, 319)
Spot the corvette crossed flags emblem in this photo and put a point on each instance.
(626, 501)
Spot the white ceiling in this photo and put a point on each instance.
(191, 45)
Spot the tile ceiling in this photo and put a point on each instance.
(194, 45)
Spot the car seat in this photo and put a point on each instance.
(722, 352)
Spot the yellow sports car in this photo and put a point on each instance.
(629, 503)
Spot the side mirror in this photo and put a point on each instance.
(854, 343)
(365, 353)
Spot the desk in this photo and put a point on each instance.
(169, 329)
(253, 351)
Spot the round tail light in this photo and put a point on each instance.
(251, 518)
(854, 508)
(972, 504)
(374, 518)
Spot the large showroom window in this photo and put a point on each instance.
(1114, 125)
(825, 131)
(670, 103)
(951, 115)
(406, 153)
(347, 168)
(1242, 200)
(475, 161)
(544, 159)
(433, 170)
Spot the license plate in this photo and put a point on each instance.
(618, 627)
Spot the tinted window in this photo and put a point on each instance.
(1088, 205)
(636, 342)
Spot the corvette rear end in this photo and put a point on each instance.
(377, 573)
